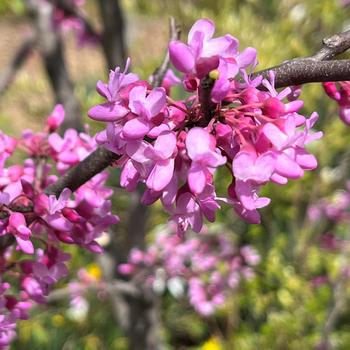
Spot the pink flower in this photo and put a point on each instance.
(201, 55)
(162, 154)
(187, 213)
(248, 166)
(200, 146)
(55, 119)
(146, 107)
(340, 92)
(18, 227)
(115, 108)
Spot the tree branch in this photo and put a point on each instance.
(96, 162)
(316, 68)
(21, 55)
(51, 48)
(113, 41)
(160, 72)
(113, 287)
(333, 46)
(307, 70)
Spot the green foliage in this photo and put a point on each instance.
(14, 7)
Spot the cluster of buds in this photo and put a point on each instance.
(207, 266)
(230, 119)
(37, 223)
(340, 92)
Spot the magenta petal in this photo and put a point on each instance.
(161, 175)
(275, 135)
(94, 247)
(220, 46)
(288, 167)
(251, 216)
(102, 89)
(165, 144)
(181, 56)
(245, 194)
(40, 270)
(136, 128)
(156, 101)
(107, 112)
(247, 57)
(220, 89)
(205, 26)
(344, 113)
(58, 222)
(278, 179)
(137, 98)
(305, 159)
(197, 178)
(197, 221)
(170, 192)
(25, 244)
(243, 165)
(205, 65)
(197, 142)
(129, 177)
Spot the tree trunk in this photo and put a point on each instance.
(51, 48)
(113, 40)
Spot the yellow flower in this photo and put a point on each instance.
(57, 320)
(211, 344)
(94, 271)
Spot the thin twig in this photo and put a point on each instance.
(117, 286)
(160, 72)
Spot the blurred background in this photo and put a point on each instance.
(299, 296)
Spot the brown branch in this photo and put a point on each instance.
(333, 46)
(20, 56)
(207, 106)
(307, 70)
(96, 162)
(317, 68)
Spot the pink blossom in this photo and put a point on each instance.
(201, 55)
(147, 108)
(115, 108)
(200, 147)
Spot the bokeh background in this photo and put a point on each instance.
(287, 304)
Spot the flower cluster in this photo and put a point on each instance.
(340, 92)
(66, 21)
(208, 266)
(231, 118)
(37, 223)
(335, 209)
(333, 212)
